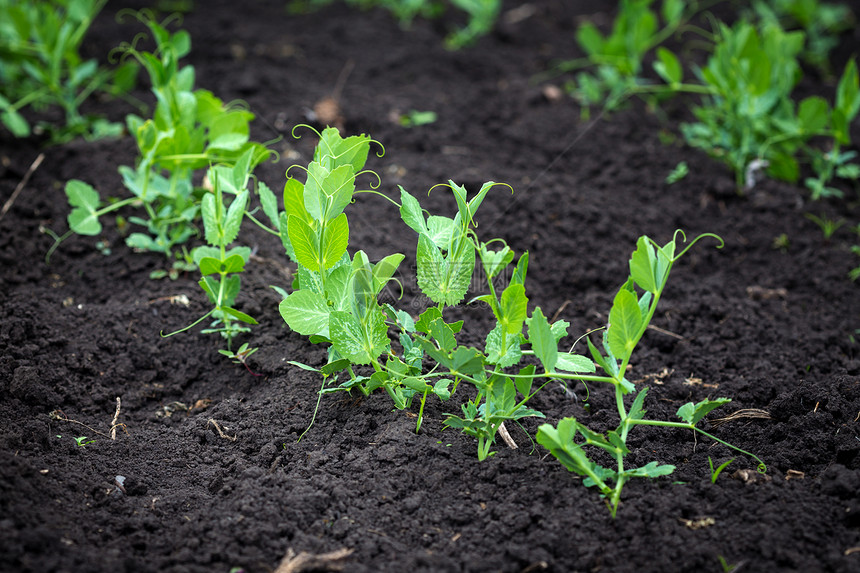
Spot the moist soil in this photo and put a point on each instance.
(215, 476)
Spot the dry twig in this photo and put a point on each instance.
(21, 185)
(220, 431)
(740, 414)
(113, 424)
(331, 561)
(506, 436)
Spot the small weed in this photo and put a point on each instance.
(715, 473)
(827, 225)
(679, 172)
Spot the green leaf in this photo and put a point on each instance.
(525, 379)
(636, 411)
(233, 220)
(440, 388)
(238, 315)
(337, 151)
(673, 11)
(514, 308)
(590, 39)
(83, 219)
(650, 470)
(269, 203)
(360, 344)
(443, 335)
(559, 329)
(813, 114)
(625, 323)
(306, 312)
(411, 213)
(294, 202)
(335, 240)
(569, 362)
(16, 123)
(209, 211)
(502, 357)
(444, 280)
(693, 413)
(304, 242)
(327, 193)
(232, 264)
(426, 317)
(848, 92)
(643, 265)
(542, 340)
(384, 270)
(416, 384)
(494, 261)
(668, 66)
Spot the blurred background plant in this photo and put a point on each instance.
(482, 14)
(41, 68)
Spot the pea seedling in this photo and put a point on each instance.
(189, 131)
(219, 265)
(41, 67)
(629, 317)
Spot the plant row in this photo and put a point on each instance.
(194, 136)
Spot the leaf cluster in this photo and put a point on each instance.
(41, 67)
(613, 67)
(821, 22)
(190, 129)
(750, 121)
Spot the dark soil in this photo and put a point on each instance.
(772, 329)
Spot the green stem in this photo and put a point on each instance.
(316, 409)
(421, 411)
(762, 467)
(262, 225)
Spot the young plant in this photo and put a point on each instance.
(715, 472)
(189, 131)
(41, 68)
(822, 22)
(613, 69)
(750, 122)
(220, 265)
(629, 317)
(835, 163)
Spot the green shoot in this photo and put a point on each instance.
(750, 122)
(821, 22)
(715, 473)
(827, 225)
(679, 172)
(241, 356)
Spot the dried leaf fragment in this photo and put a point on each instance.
(762, 293)
(331, 561)
(695, 524)
(750, 476)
